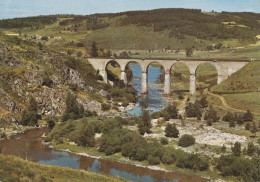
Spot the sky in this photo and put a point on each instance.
(24, 8)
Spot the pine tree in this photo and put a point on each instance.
(171, 131)
(248, 116)
(236, 150)
(253, 128)
(144, 126)
(250, 148)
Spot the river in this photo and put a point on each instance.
(153, 98)
(28, 145)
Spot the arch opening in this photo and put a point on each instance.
(155, 76)
(206, 76)
(133, 72)
(113, 70)
(180, 77)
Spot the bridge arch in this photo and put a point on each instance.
(206, 75)
(125, 69)
(180, 76)
(108, 67)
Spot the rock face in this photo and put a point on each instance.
(21, 78)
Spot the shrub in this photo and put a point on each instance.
(186, 140)
(50, 122)
(171, 131)
(164, 141)
(168, 157)
(125, 103)
(153, 160)
(105, 107)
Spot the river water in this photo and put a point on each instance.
(153, 98)
(29, 147)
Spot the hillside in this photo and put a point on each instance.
(17, 169)
(242, 89)
(154, 33)
(246, 79)
(29, 70)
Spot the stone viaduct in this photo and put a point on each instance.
(224, 69)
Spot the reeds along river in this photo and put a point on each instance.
(28, 146)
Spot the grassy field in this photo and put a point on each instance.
(17, 169)
(245, 101)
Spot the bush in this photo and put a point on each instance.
(171, 131)
(153, 160)
(168, 157)
(164, 141)
(125, 103)
(50, 122)
(105, 107)
(186, 140)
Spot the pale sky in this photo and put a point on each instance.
(23, 8)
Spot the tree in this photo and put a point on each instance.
(253, 128)
(250, 148)
(211, 115)
(144, 126)
(186, 140)
(86, 135)
(30, 114)
(74, 110)
(40, 45)
(50, 122)
(189, 51)
(248, 126)
(79, 53)
(171, 131)
(248, 116)
(94, 50)
(236, 150)
(232, 124)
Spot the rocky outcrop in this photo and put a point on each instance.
(26, 78)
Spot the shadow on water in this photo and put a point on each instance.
(153, 98)
(28, 146)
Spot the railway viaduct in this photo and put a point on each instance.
(225, 68)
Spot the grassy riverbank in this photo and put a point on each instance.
(17, 169)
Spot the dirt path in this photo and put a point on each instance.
(225, 104)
